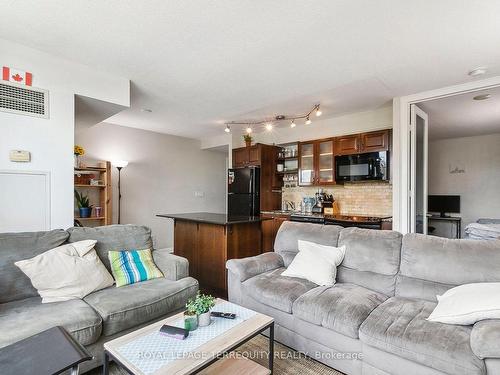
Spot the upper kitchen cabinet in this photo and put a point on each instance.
(316, 162)
(361, 143)
(247, 156)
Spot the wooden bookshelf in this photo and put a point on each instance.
(99, 195)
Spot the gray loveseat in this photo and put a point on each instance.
(386, 288)
(102, 315)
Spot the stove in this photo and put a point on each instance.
(369, 222)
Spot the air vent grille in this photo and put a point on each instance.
(23, 100)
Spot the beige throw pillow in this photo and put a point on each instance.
(67, 272)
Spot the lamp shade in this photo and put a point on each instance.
(120, 163)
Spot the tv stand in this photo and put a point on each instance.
(455, 220)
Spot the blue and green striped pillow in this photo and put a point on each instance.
(133, 266)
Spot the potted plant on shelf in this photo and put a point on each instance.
(78, 151)
(190, 316)
(84, 205)
(248, 139)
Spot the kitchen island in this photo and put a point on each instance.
(208, 240)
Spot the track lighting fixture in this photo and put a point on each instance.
(268, 124)
(318, 111)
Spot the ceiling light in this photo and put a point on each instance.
(146, 110)
(478, 71)
(249, 130)
(269, 126)
(318, 111)
(293, 124)
(482, 97)
(227, 129)
(308, 120)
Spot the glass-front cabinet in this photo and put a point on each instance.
(306, 164)
(316, 163)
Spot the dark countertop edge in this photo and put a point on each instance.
(213, 220)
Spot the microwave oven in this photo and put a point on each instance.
(362, 167)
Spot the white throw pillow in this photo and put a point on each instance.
(467, 304)
(67, 272)
(316, 263)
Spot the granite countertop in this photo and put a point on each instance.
(212, 218)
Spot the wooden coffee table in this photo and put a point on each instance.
(200, 359)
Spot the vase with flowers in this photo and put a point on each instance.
(78, 151)
(248, 139)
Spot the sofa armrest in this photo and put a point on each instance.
(246, 268)
(485, 339)
(172, 266)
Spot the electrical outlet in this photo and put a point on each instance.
(199, 194)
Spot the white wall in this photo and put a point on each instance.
(323, 128)
(163, 174)
(50, 141)
(479, 186)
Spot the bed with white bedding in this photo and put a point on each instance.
(483, 229)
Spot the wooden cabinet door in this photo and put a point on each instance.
(349, 144)
(240, 157)
(375, 141)
(185, 243)
(278, 220)
(307, 167)
(212, 244)
(325, 163)
(254, 155)
(268, 233)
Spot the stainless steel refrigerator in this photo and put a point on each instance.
(243, 192)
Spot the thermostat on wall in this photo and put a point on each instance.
(20, 156)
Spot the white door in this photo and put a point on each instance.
(419, 124)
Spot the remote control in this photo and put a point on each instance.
(218, 314)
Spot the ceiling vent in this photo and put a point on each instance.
(24, 100)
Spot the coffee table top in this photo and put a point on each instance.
(146, 352)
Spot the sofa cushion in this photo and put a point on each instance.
(362, 247)
(399, 326)
(113, 237)
(341, 308)
(14, 284)
(444, 263)
(272, 289)
(24, 318)
(286, 242)
(131, 305)
(485, 338)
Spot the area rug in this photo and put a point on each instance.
(287, 361)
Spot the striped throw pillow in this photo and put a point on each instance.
(133, 266)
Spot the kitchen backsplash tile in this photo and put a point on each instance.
(361, 198)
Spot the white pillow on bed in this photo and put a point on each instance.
(467, 304)
(316, 263)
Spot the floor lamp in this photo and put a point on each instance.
(119, 164)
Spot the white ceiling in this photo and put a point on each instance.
(461, 116)
(197, 64)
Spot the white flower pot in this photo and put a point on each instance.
(204, 319)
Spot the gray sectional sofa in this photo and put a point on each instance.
(373, 321)
(102, 315)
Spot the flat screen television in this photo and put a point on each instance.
(444, 204)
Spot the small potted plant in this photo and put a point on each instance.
(190, 316)
(203, 304)
(84, 205)
(248, 139)
(78, 151)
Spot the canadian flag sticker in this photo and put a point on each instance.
(17, 76)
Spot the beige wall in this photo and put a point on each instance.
(163, 176)
(363, 198)
(478, 184)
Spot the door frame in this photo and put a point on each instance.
(401, 157)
